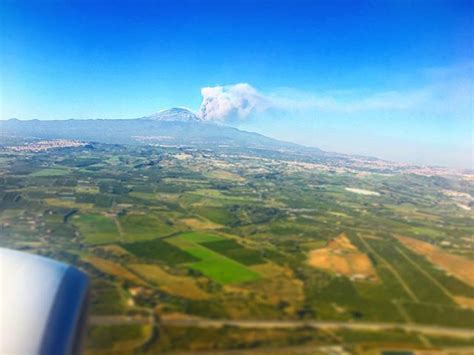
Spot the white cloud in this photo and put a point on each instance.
(447, 92)
(390, 100)
(240, 101)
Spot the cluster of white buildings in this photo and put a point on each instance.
(41, 146)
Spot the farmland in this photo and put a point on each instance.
(456, 265)
(177, 285)
(142, 227)
(215, 265)
(179, 235)
(97, 229)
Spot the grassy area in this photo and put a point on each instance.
(375, 337)
(218, 215)
(97, 229)
(50, 172)
(114, 269)
(201, 237)
(423, 288)
(142, 227)
(117, 337)
(214, 265)
(181, 286)
(232, 338)
(333, 297)
(235, 251)
(106, 298)
(441, 315)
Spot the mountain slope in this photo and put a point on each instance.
(175, 126)
(176, 114)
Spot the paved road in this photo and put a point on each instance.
(287, 324)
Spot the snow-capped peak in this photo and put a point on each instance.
(180, 114)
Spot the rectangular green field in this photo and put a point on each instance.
(158, 250)
(97, 229)
(235, 251)
(214, 265)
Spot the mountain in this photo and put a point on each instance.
(176, 114)
(176, 126)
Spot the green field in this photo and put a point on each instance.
(218, 215)
(97, 229)
(50, 172)
(423, 288)
(212, 264)
(142, 227)
(159, 251)
(103, 336)
(106, 298)
(441, 315)
(235, 251)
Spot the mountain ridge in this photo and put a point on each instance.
(174, 126)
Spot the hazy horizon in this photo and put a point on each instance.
(314, 73)
(324, 143)
(317, 199)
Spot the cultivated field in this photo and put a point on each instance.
(247, 236)
(213, 264)
(458, 266)
(181, 286)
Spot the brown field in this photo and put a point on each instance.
(342, 257)
(113, 249)
(456, 265)
(199, 224)
(181, 286)
(225, 175)
(57, 202)
(465, 302)
(114, 269)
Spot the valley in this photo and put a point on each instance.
(198, 249)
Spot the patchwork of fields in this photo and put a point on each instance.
(214, 236)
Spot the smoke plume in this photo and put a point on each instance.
(230, 102)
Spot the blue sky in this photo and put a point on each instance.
(392, 79)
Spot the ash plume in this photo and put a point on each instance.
(230, 102)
